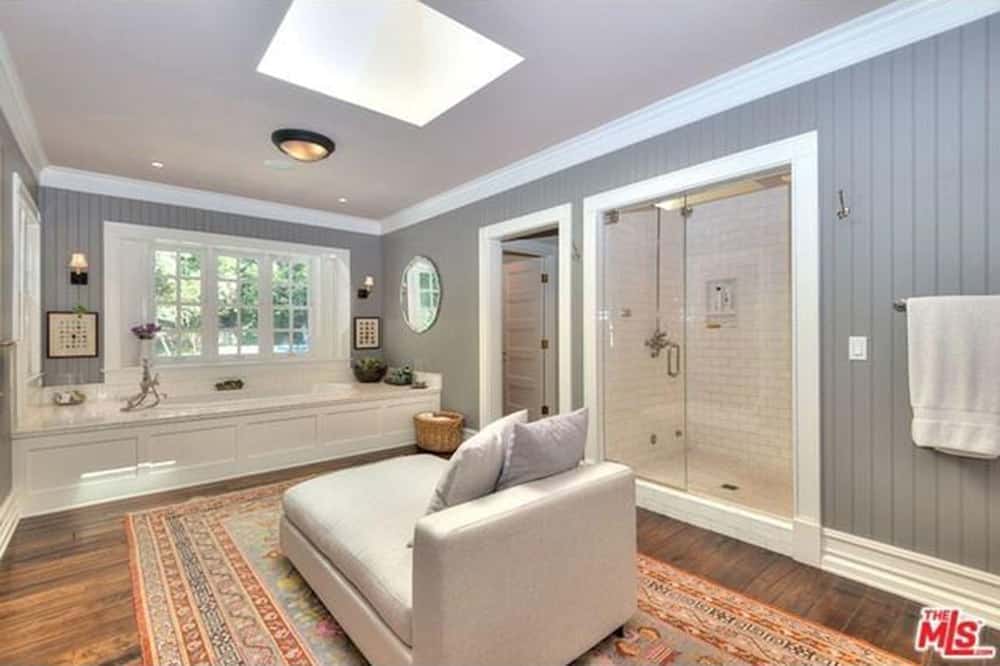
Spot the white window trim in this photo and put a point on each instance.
(128, 295)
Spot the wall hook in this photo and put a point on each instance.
(843, 212)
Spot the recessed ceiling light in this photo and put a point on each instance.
(156, 164)
(303, 145)
(397, 57)
(342, 199)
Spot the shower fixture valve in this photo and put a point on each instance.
(657, 342)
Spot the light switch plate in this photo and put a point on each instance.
(857, 348)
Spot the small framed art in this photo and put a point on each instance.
(72, 334)
(367, 332)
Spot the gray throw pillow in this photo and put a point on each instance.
(544, 448)
(475, 467)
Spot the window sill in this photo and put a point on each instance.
(335, 369)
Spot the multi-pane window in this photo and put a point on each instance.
(227, 304)
(178, 300)
(238, 305)
(290, 303)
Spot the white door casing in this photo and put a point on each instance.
(491, 239)
(26, 311)
(800, 153)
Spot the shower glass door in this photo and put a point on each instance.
(644, 388)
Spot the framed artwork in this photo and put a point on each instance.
(72, 334)
(367, 332)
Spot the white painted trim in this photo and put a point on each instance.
(883, 30)
(329, 321)
(10, 515)
(490, 305)
(925, 579)
(920, 578)
(145, 190)
(140, 456)
(14, 106)
(26, 242)
(731, 520)
(801, 153)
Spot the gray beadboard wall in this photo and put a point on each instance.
(11, 161)
(73, 222)
(913, 137)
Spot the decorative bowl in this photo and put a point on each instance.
(369, 370)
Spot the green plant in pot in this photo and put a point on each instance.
(369, 369)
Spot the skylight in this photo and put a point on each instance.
(397, 57)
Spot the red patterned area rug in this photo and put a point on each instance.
(211, 587)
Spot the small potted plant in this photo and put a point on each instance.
(369, 369)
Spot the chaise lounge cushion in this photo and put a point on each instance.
(361, 519)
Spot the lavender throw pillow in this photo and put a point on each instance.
(544, 448)
(475, 467)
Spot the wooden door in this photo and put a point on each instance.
(523, 335)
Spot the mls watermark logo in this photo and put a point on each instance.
(952, 634)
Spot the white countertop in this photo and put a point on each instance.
(102, 414)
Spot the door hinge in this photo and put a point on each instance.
(545, 410)
(545, 343)
(545, 278)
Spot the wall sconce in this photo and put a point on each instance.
(366, 287)
(78, 268)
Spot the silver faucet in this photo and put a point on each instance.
(657, 342)
(147, 386)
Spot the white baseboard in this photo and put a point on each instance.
(924, 579)
(921, 578)
(10, 514)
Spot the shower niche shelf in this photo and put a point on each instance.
(720, 303)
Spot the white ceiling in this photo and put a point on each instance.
(114, 85)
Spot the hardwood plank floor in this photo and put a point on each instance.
(65, 593)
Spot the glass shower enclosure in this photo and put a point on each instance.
(697, 362)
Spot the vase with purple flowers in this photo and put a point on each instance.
(146, 333)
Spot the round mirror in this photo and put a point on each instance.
(420, 294)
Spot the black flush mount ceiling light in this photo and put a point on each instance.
(303, 145)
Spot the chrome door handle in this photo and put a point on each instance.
(673, 359)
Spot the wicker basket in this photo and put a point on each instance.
(439, 432)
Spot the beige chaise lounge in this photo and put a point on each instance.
(535, 574)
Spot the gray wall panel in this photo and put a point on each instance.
(73, 221)
(913, 137)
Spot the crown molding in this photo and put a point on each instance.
(15, 109)
(145, 190)
(891, 27)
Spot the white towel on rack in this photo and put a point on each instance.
(954, 354)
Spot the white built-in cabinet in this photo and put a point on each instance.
(76, 467)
